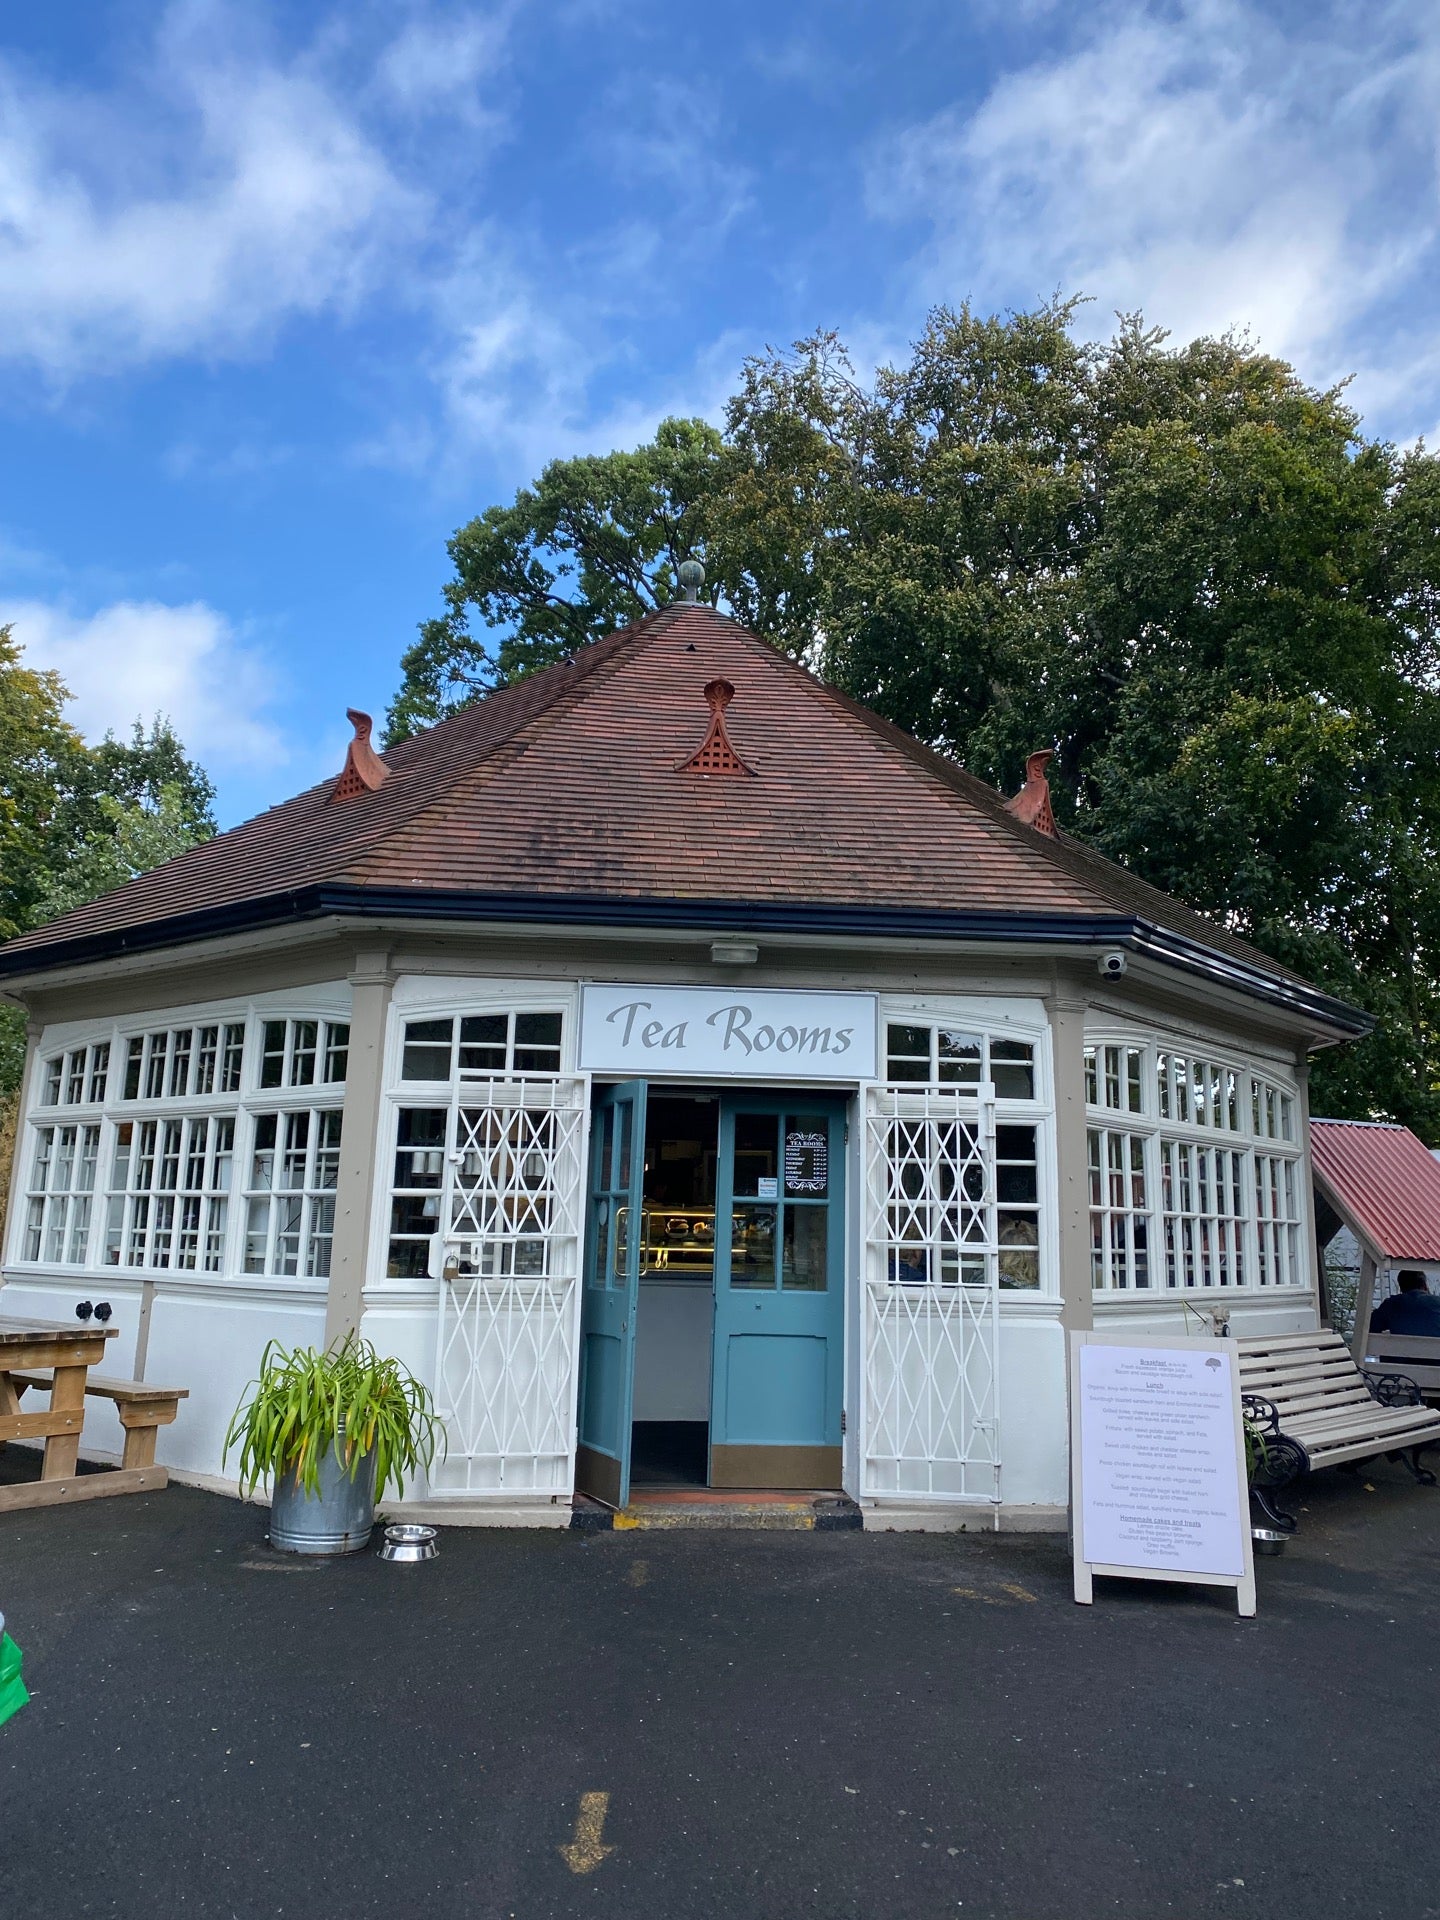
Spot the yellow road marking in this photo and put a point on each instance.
(1017, 1593)
(993, 1599)
(585, 1852)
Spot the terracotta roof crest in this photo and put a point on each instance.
(364, 770)
(1032, 804)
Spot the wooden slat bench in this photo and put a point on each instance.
(143, 1409)
(1306, 1390)
(1413, 1354)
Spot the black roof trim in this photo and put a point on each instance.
(387, 903)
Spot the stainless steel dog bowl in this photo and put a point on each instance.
(1268, 1540)
(409, 1543)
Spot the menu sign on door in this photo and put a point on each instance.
(1158, 1483)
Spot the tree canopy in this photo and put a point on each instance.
(77, 820)
(1182, 566)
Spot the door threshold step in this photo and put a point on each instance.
(766, 1511)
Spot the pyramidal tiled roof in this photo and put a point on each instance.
(571, 786)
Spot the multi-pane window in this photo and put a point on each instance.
(1202, 1206)
(179, 1062)
(1119, 1208)
(171, 1121)
(1272, 1111)
(1277, 1213)
(952, 1056)
(484, 1043)
(1114, 1078)
(290, 1190)
(303, 1053)
(415, 1199)
(1198, 1093)
(169, 1192)
(76, 1078)
(1181, 1194)
(61, 1194)
(1017, 1206)
(959, 1200)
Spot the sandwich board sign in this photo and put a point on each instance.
(1158, 1487)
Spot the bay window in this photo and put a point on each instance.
(1195, 1170)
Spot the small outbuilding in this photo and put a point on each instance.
(1377, 1207)
(686, 1072)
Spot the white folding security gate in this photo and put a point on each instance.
(505, 1375)
(930, 1295)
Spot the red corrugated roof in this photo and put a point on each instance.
(1387, 1179)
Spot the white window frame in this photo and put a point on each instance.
(453, 999)
(243, 1106)
(1261, 1256)
(998, 1019)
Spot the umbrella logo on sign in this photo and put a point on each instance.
(1212, 1361)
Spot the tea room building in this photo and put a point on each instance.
(689, 1075)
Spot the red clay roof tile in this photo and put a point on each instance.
(569, 784)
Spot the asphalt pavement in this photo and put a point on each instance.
(540, 1725)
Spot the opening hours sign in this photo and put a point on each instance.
(1159, 1489)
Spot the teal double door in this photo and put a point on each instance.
(777, 1340)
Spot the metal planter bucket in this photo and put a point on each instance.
(337, 1518)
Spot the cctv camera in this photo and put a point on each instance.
(1113, 965)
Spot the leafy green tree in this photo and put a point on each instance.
(1183, 567)
(77, 820)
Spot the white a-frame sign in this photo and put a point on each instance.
(1158, 1487)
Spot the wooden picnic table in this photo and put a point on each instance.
(68, 1353)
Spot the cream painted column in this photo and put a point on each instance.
(370, 984)
(1066, 1007)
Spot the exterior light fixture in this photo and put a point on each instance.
(734, 953)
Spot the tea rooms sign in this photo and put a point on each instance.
(724, 1032)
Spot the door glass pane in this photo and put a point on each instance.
(602, 1240)
(622, 1246)
(625, 1116)
(807, 1157)
(803, 1268)
(757, 1155)
(600, 1152)
(752, 1246)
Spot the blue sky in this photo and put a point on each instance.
(288, 292)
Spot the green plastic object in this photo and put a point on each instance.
(12, 1688)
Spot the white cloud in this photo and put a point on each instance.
(135, 659)
(234, 192)
(1199, 162)
(440, 60)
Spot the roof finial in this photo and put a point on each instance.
(364, 770)
(691, 576)
(1032, 803)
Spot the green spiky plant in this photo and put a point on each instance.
(348, 1399)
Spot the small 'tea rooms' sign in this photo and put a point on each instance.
(726, 1032)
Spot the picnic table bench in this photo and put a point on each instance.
(142, 1407)
(37, 1353)
(1316, 1408)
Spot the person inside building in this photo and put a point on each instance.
(1413, 1310)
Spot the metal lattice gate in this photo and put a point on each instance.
(505, 1375)
(930, 1296)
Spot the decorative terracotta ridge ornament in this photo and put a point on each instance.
(716, 755)
(1032, 803)
(364, 770)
